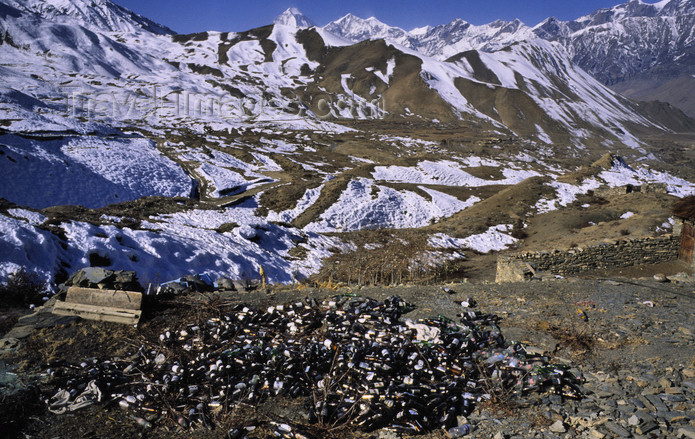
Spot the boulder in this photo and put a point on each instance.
(224, 283)
(97, 277)
(198, 283)
(240, 285)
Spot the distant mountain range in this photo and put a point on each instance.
(642, 50)
(502, 75)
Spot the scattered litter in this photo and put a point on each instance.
(649, 303)
(582, 315)
(468, 303)
(459, 431)
(351, 358)
(61, 401)
(424, 332)
(586, 303)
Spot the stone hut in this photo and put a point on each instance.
(685, 210)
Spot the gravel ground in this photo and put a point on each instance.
(634, 349)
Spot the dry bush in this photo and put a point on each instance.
(501, 392)
(453, 269)
(518, 231)
(21, 289)
(579, 340)
(519, 234)
(391, 260)
(685, 208)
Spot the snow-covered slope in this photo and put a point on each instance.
(100, 15)
(165, 248)
(87, 171)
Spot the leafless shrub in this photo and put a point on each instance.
(685, 208)
(391, 260)
(21, 289)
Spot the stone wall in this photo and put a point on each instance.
(624, 253)
(647, 188)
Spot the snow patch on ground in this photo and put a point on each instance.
(289, 215)
(24, 246)
(445, 172)
(170, 246)
(496, 238)
(566, 194)
(33, 218)
(357, 209)
(542, 135)
(622, 175)
(91, 172)
(666, 226)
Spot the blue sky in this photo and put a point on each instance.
(186, 16)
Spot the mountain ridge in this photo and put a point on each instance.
(632, 47)
(103, 15)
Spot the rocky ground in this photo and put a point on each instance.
(633, 350)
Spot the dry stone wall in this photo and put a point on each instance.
(624, 253)
(647, 188)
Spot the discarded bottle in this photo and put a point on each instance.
(459, 431)
(582, 315)
(182, 422)
(390, 379)
(142, 422)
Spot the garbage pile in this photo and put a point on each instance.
(353, 360)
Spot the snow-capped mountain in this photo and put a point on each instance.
(618, 43)
(438, 42)
(293, 17)
(458, 36)
(646, 51)
(356, 29)
(258, 143)
(102, 15)
(534, 77)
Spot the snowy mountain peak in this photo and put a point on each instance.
(353, 21)
(357, 29)
(420, 30)
(293, 17)
(636, 8)
(102, 15)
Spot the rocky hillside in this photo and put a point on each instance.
(124, 145)
(646, 51)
